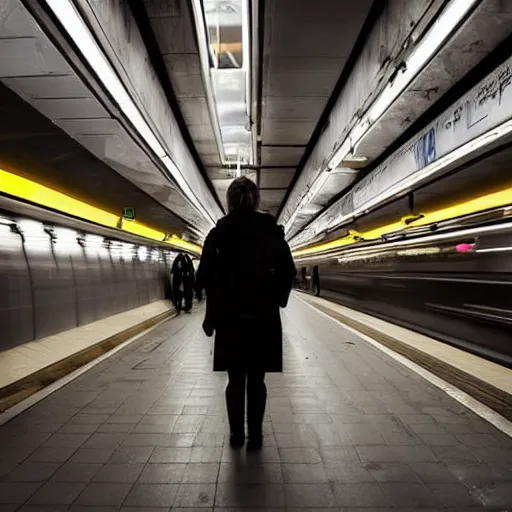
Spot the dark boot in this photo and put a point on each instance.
(256, 402)
(235, 402)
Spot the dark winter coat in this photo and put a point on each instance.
(247, 271)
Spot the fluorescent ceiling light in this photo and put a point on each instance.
(227, 75)
(183, 184)
(344, 170)
(205, 51)
(445, 24)
(354, 162)
(340, 154)
(70, 19)
(441, 30)
(76, 28)
(427, 47)
(495, 249)
(314, 190)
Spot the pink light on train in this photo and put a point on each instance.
(464, 247)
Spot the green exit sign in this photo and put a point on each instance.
(129, 213)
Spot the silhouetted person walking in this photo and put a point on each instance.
(247, 271)
(183, 281)
(316, 281)
(189, 283)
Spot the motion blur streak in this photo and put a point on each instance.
(479, 204)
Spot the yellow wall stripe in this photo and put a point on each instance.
(36, 193)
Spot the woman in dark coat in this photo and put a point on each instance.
(247, 271)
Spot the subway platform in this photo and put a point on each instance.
(348, 427)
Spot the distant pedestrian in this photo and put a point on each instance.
(189, 281)
(183, 282)
(316, 281)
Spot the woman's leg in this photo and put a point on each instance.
(256, 402)
(235, 402)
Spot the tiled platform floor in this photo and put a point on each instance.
(347, 428)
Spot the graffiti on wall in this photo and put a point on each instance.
(424, 148)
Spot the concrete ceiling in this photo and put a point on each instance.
(172, 26)
(305, 48)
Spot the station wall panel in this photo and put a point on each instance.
(49, 284)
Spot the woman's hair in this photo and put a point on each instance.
(243, 194)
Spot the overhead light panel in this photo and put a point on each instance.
(354, 162)
(183, 184)
(315, 189)
(223, 30)
(340, 154)
(445, 24)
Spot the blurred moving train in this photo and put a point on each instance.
(451, 282)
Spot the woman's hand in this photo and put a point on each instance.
(208, 328)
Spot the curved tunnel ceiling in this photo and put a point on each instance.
(318, 70)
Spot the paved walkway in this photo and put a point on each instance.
(347, 428)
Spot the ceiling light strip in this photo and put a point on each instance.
(248, 68)
(204, 57)
(443, 28)
(75, 26)
(315, 189)
(255, 78)
(310, 194)
(215, 86)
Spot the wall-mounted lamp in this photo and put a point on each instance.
(355, 162)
